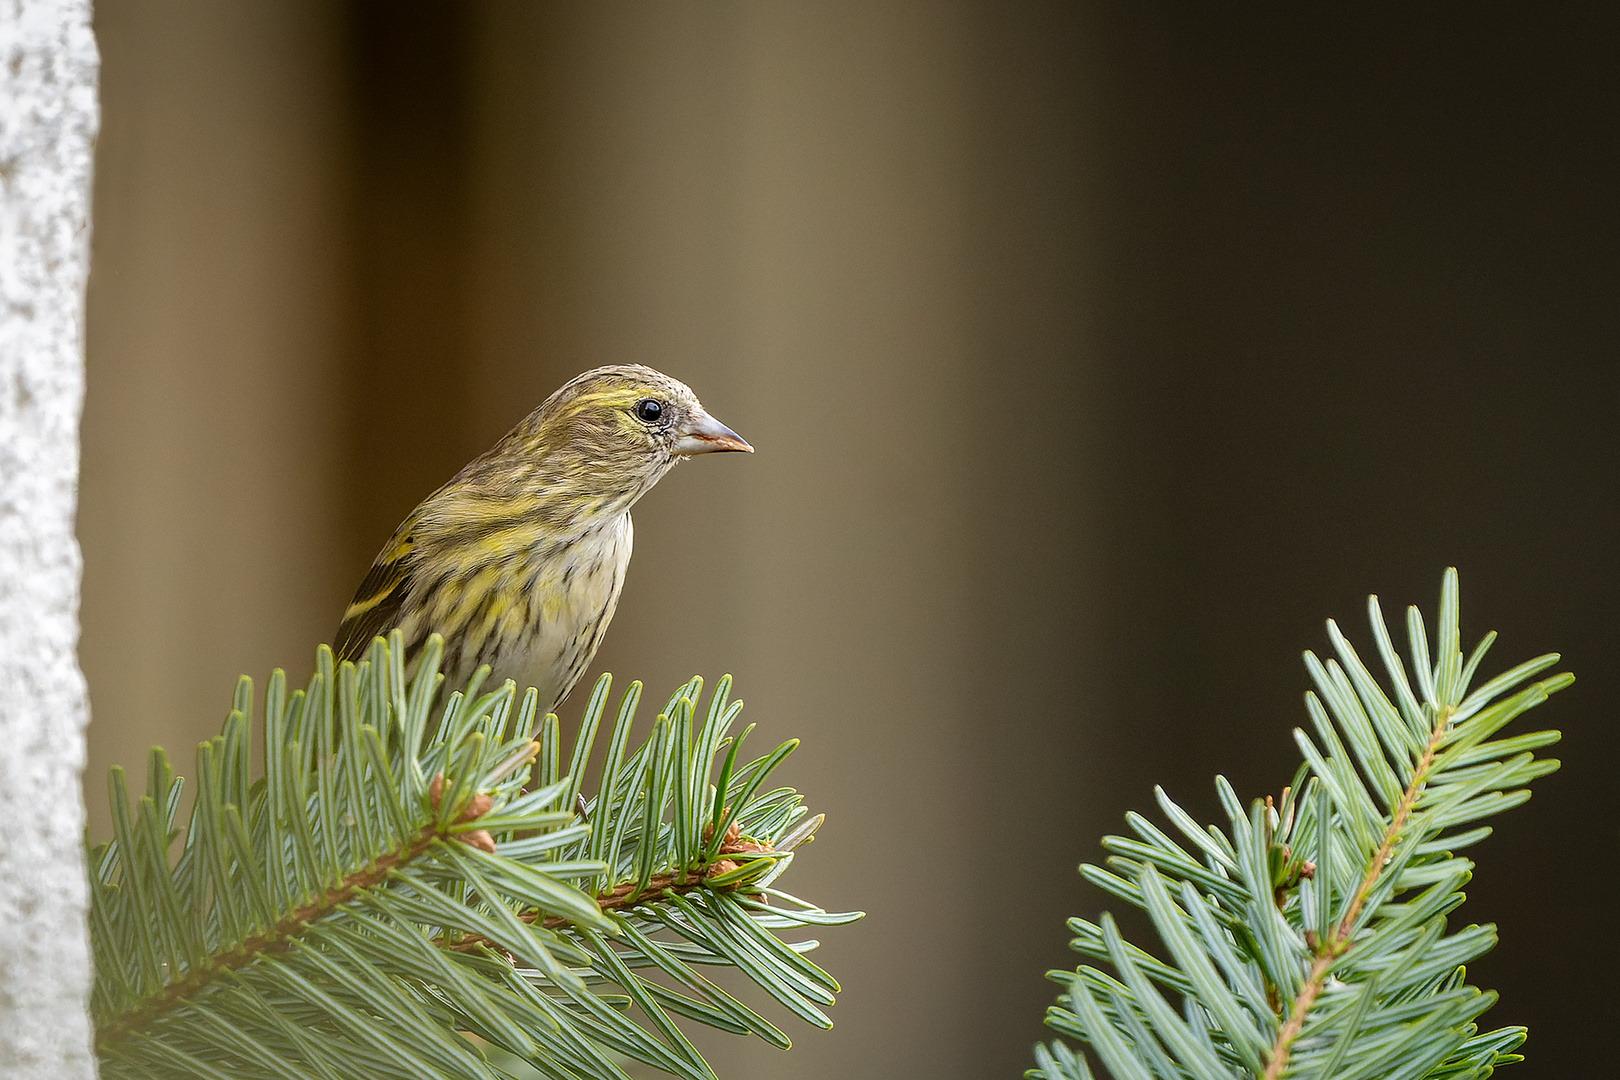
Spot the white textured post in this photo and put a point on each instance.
(48, 118)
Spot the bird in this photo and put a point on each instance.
(518, 561)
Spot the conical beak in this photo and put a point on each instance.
(703, 434)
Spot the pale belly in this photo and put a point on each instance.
(567, 611)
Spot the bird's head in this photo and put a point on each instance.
(635, 418)
(628, 411)
(608, 435)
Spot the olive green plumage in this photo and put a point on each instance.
(518, 561)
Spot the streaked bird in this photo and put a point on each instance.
(518, 561)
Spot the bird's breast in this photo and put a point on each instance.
(568, 596)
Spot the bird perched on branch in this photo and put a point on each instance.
(518, 561)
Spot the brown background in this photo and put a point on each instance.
(1094, 353)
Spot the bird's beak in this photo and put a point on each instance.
(703, 434)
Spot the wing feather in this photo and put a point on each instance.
(376, 605)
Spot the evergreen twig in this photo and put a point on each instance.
(383, 900)
(1309, 939)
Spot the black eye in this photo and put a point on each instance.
(648, 411)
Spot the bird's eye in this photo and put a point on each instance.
(648, 411)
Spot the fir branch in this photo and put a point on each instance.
(1338, 942)
(290, 926)
(380, 891)
(627, 896)
(294, 923)
(1310, 939)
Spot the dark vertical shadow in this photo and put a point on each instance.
(408, 389)
(1359, 308)
(1041, 733)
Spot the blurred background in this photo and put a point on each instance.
(1094, 354)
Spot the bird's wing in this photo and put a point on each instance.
(376, 604)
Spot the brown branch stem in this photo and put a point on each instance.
(272, 938)
(280, 935)
(628, 896)
(1337, 942)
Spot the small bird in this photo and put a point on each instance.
(518, 561)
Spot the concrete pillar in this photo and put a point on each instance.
(48, 118)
